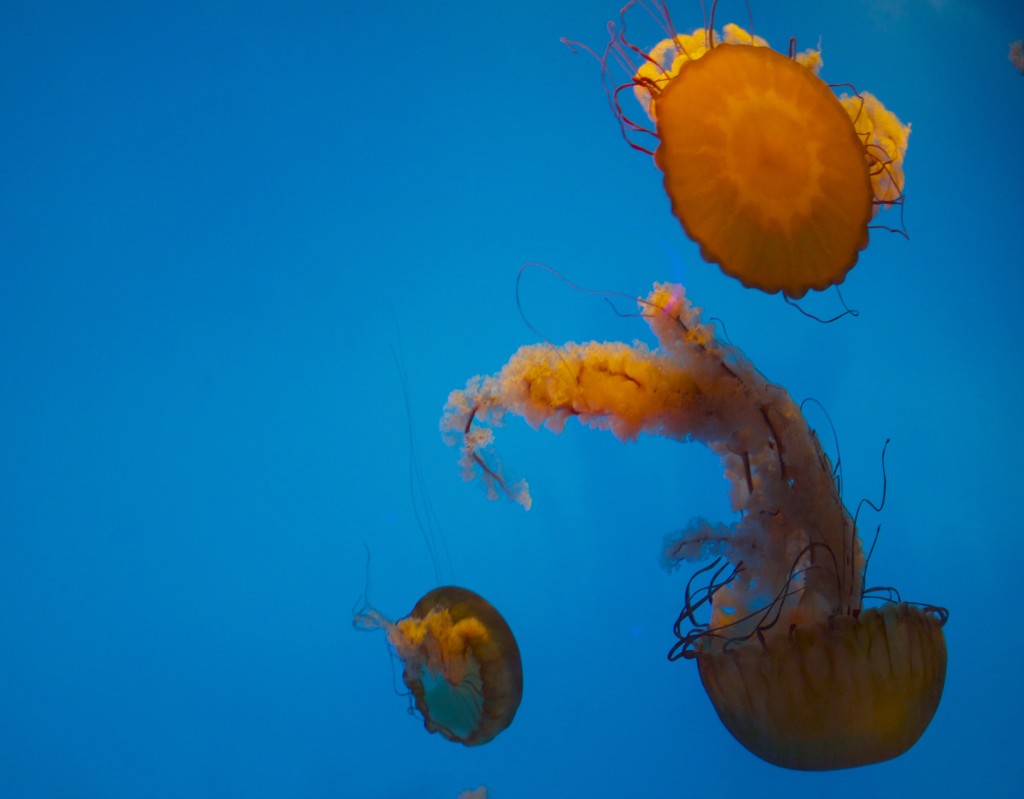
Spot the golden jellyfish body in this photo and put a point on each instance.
(798, 670)
(768, 171)
(846, 691)
(462, 663)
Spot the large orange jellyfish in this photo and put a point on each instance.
(773, 175)
(462, 663)
(799, 671)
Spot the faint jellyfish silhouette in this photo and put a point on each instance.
(1017, 55)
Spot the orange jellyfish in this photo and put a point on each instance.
(462, 663)
(768, 171)
(799, 670)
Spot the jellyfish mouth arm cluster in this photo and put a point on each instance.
(794, 548)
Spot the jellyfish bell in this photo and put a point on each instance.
(804, 684)
(848, 690)
(769, 178)
(800, 671)
(774, 176)
(462, 663)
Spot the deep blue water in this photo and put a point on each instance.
(233, 235)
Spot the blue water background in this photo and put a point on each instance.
(220, 222)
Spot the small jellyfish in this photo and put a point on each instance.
(799, 671)
(768, 171)
(1017, 55)
(462, 663)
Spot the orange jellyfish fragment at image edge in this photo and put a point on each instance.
(462, 663)
(764, 169)
(799, 671)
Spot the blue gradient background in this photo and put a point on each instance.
(217, 223)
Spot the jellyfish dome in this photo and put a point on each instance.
(800, 671)
(462, 663)
(772, 174)
(770, 178)
(847, 690)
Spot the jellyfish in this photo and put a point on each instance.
(1017, 55)
(799, 670)
(462, 663)
(775, 177)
